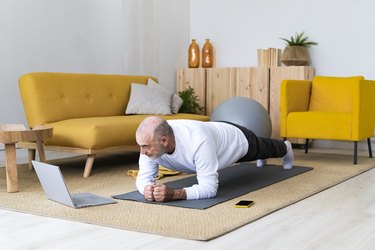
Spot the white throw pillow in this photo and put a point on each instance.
(176, 100)
(176, 103)
(145, 100)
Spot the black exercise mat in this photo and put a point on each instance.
(233, 182)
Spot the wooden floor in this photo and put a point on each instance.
(342, 217)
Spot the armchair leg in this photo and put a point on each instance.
(355, 152)
(307, 146)
(369, 147)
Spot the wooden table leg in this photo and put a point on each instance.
(11, 168)
(31, 157)
(42, 155)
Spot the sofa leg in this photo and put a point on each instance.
(307, 146)
(355, 152)
(89, 162)
(31, 157)
(369, 147)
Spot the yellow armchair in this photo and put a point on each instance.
(328, 108)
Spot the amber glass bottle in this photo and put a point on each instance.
(207, 55)
(194, 57)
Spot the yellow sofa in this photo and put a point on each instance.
(86, 111)
(332, 108)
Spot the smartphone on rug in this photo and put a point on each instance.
(244, 204)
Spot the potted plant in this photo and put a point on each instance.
(190, 102)
(296, 53)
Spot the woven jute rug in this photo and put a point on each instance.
(109, 177)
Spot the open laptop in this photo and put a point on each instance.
(54, 186)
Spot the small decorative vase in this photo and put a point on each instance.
(207, 55)
(295, 56)
(194, 58)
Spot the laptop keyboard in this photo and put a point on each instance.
(84, 200)
(87, 199)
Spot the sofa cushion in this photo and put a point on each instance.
(145, 100)
(103, 132)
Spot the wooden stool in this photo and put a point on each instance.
(10, 134)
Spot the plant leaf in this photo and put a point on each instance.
(190, 102)
(299, 39)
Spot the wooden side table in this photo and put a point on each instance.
(10, 134)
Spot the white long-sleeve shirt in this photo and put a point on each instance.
(202, 148)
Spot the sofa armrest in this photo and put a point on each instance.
(294, 97)
(363, 109)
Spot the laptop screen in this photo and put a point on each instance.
(53, 183)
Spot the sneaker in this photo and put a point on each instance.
(261, 163)
(289, 157)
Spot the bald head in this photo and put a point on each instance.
(155, 127)
(155, 137)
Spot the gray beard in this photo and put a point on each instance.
(163, 150)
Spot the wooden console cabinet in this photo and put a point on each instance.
(215, 85)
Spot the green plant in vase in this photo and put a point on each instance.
(295, 52)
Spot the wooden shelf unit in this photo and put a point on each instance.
(215, 85)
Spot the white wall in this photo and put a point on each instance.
(64, 36)
(344, 29)
(157, 35)
(89, 36)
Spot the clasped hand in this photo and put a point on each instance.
(158, 192)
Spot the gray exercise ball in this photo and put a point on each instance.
(245, 112)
